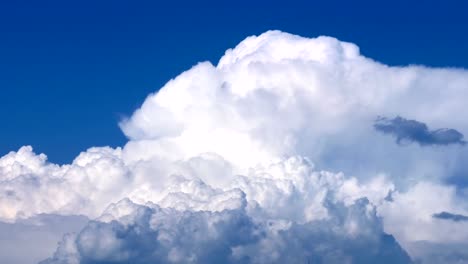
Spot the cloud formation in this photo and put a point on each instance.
(147, 234)
(415, 131)
(274, 142)
(450, 216)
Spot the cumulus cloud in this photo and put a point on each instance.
(147, 234)
(30, 185)
(266, 157)
(415, 131)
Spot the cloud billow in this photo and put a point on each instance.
(418, 132)
(149, 234)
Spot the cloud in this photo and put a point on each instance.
(450, 216)
(414, 131)
(274, 140)
(147, 234)
(30, 185)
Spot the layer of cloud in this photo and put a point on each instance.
(415, 131)
(277, 141)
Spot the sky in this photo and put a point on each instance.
(70, 71)
(257, 133)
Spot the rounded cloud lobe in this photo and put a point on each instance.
(271, 156)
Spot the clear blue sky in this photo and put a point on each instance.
(70, 70)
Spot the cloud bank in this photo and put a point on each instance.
(270, 156)
(148, 234)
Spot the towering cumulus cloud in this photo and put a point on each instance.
(271, 156)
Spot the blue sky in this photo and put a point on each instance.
(70, 70)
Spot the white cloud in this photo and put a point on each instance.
(280, 135)
(30, 185)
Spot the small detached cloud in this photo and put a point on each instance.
(450, 216)
(406, 130)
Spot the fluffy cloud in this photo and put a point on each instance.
(30, 185)
(279, 95)
(147, 234)
(268, 157)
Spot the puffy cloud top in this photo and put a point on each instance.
(147, 234)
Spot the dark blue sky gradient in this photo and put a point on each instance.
(70, 70)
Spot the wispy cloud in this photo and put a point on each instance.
(414, 131)
(450, 216)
